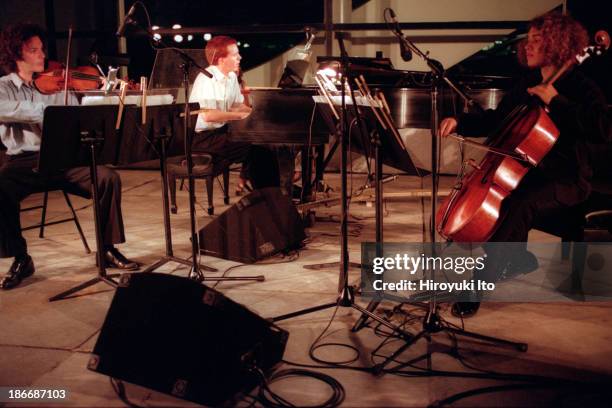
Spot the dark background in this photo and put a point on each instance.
(95, 22)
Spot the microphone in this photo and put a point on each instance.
(126, 21)
(398, 30)
(405, 51)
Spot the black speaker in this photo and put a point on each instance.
(179, 337)
(259, 225)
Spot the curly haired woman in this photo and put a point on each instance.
(578, 109)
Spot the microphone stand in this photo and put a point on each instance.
(196, 268)
(432, 322)
(346, 295)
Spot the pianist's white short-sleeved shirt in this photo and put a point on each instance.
(219, 92)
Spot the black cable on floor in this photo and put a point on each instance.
(119, 389)
(488, 390)
(291, 256)
(271, 399)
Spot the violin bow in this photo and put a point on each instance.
(66, 70)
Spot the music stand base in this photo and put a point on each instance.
(346, 298)
(167, 259)
(328, 265)
(432, 323)
(108, 279)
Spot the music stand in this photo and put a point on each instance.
(373, 141)
(70, 136)
(162, 123)
(346, 296)
(189, 68)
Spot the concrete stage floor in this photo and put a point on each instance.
(47, 345)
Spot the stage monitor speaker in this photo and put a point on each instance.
(180, 337)
(259, 225)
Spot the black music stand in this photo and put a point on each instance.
(346, 296)
(373, 141)
(385, 148)
(70, 137)
(162, 123)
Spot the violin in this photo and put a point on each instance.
(79, 79)
(473, 210)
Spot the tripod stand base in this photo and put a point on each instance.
(346, 298)
(167, 259)
(108, 279)
(432, 323)
(329, 265)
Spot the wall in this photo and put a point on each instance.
(449, 52)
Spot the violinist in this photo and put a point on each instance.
(21, 116)
(578, 109)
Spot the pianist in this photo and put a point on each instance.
(21, 116)
(221, 97)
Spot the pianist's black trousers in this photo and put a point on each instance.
(18, 180)
(259, 163)
(216, 142)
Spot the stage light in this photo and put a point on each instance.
(246, 45)
(176, 27)
(178, 38)
(157, 37)
(207, 36)
(189, 37)
(155, 27)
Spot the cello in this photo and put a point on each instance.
(473, 210)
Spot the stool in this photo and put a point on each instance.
(43, 223)
(204, 167)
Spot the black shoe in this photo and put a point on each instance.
(465, 309)
(20, 269)
(115, 259)
(522, 264)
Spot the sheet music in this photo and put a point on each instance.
(337, 100)
(152, 100)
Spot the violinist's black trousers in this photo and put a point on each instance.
(18, 179)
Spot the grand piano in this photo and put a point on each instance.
(289, 116)
(281, 117)
(284, 117)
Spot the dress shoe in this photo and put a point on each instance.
(20, 269)
(465, 309)
(243, 187)
(115, 259)
(521, 264)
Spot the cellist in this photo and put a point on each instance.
(578, 109)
